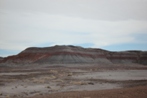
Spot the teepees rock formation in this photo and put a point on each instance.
(75, 55)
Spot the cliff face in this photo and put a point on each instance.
(75, 55)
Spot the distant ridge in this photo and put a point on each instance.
(68, 54)
(1, 58)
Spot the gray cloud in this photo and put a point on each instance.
(92, 9)
(25, 23)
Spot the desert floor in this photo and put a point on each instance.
(74, 82)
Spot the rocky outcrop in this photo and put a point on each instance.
(75, 55)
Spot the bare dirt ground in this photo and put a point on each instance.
(74, 82)
(134, 92)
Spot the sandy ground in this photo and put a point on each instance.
(73, 82)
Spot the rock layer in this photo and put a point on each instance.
(75, 55)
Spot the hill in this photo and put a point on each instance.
(75, 55)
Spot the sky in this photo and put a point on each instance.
(114, 25)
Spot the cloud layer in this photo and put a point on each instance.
(100, 23)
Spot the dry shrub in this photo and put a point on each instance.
(78, 83)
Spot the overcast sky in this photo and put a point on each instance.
(109, 24)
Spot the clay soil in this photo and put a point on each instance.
(73, 82)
